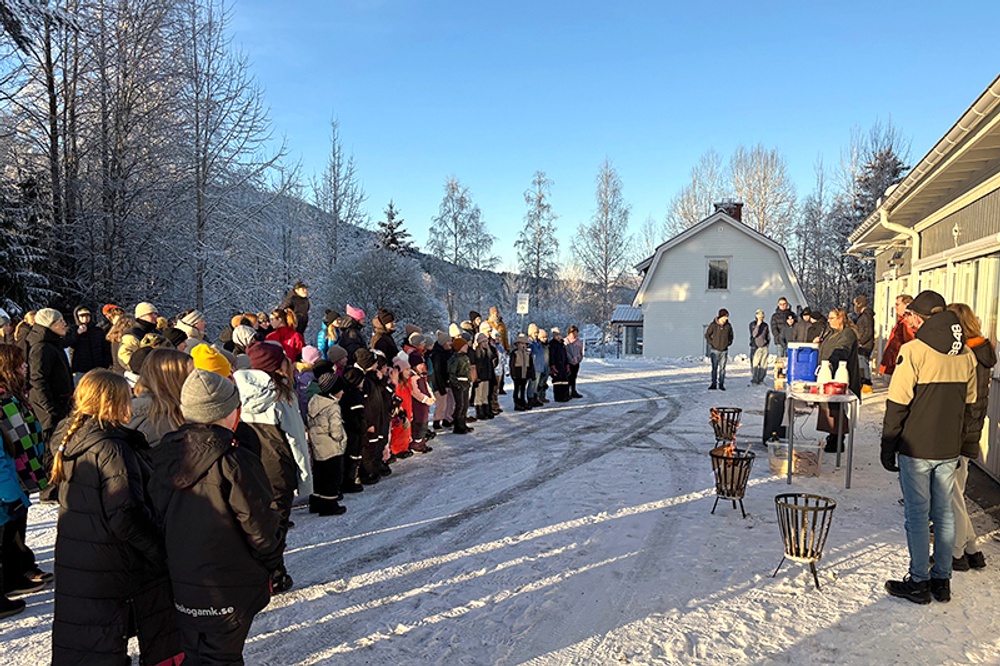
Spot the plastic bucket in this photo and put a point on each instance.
(803, 359)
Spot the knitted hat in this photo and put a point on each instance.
(926, 303)
(385, 316)
(411, 329)
(357, 314)
(82, 311)
(267, 356)
(244, 336)
(454, 331)
(321, 367)
(330, 383)
(192, 318)
(759, 313)
(310, 354)
(336, 353)
(138, 358)
(144, 309)
(175, 336)
(458, 344)
(485, 327)
(364, 359)
(353, 376)
(415, 358)
(401, 363)
(108, 309)
(329, 317)
(207, 397)
(416, 339)
(209, 358)
(443, 338)
(473, 315)
(723, 312)
(47, 316)
(532, 329)
(554, 330)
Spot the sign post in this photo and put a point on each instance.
(522, 308)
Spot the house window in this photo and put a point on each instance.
(718, 274)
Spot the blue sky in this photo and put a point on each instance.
(490, 92)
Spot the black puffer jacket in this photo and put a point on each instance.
(439, 362)
(300, 306)
(109, 555)
(91, 348)
(559, 366)
(222, 534)
(49, 376)
(351, 338)
(986, 358)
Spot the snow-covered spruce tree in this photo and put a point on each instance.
(760, 181)
(457, 221)
(536, 245)
(339, 193)
(390, 234)
(603, 248)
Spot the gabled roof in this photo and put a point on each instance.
(650, 264)
(626, 314)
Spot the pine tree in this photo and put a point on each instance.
(390, 234)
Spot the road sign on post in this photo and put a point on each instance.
(522, 304)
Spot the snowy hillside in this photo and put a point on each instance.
(582, 534)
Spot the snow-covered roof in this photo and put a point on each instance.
(626, 314)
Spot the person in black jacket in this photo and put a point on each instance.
(866, 340)
(223, 536)
(444, 404)
(374, 396)
(351, 338)
(778, 321)
(298, 300)
(49, 374)
(719, 335)
(384, 324)
(90, 346)
(109, 557)
(352, 411)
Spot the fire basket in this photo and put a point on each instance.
(804, 521)
(725, 422)
(732, 472)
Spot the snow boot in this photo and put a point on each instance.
(911, 590)
(436, 425)
(403, 455)
(9, 607)
(941, 589)
(280, 581)
(351, 483)
(420, 447)
(325, 506)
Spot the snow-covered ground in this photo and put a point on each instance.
(581, 534)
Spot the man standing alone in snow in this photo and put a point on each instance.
(720, 336)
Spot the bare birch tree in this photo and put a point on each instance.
(603, 247)
(537, 246)
(761, 183)
(340, 193)
(693, 203)
(457, 222)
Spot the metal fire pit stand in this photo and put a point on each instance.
(725, 422)
(804, 521)
(732, 472)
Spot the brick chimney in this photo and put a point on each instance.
(731, 208)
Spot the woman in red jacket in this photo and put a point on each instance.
(283, 323)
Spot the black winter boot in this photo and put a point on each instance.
(911, 590)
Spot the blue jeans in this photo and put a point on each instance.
(718, 366)
(927, 486)
(759, 364)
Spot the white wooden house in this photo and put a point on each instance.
(718, 263)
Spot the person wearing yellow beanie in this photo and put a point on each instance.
(209, 358)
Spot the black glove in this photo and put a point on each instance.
(889, 461)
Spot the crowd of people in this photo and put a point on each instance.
(938, 364)
(176, 460)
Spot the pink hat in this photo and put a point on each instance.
(310, 354)
(357, 314)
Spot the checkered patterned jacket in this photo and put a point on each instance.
(22, 442)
